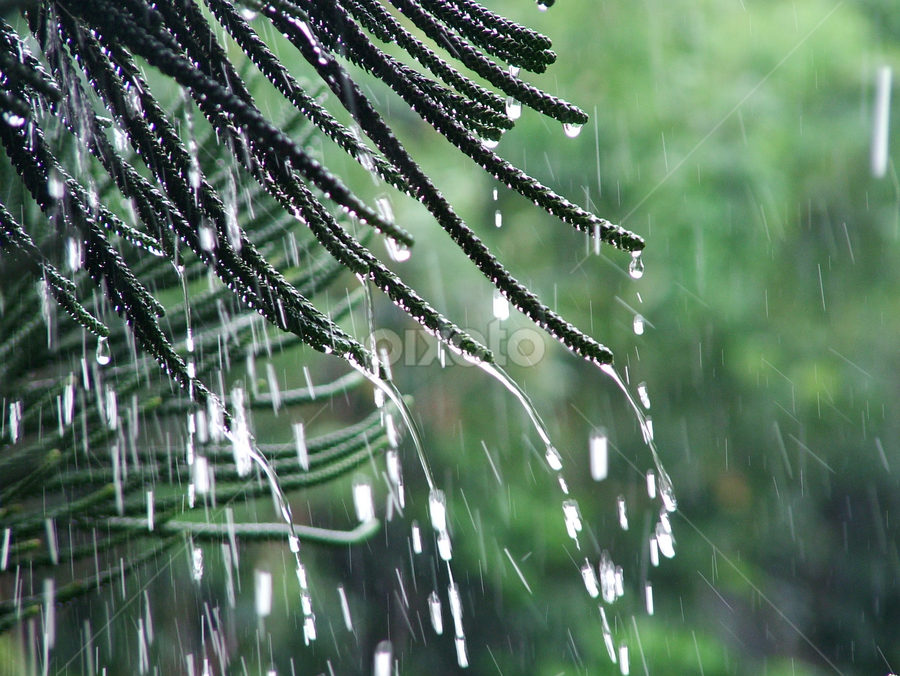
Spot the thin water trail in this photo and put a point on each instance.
(663, 481)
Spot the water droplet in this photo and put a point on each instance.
(572, 513)
(623, 512)
(416, 537)
(248, 14)
(363, 500)
(73, 254)
(572, 130)
(496, 194)
(455, 608)
(103, 351)
(397, 251)
(648, 597)
(599, 454)
(607, 570)
(262, 592)
(501, 305)
(554, 459)
(197, 564)
(664, 538)
(384, 659)
(445, 547)
(639, 325)
(624, 665)
(590, 579)
(654, 551)
(636, 267)
(651, 484)
(462, 656)
(513, 70)
(642, 393)
(513, 108)
(434, 610)
(300, 443)
(345, 608)
(490, 144)
(13, 120)
(498, 218)
(607, 636)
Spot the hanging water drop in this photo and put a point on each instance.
(490, 144)
(572, 130)
(103, 351)
(636, 267)
(397, 251)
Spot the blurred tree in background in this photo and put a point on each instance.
(736, 138)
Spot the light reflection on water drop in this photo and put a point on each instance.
(572, 130)
(636, 267)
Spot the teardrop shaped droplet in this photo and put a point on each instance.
(103, 351)
(572, 130)
(636, 267)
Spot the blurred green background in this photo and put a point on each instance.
(736, 138)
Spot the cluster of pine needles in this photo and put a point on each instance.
(112, 199)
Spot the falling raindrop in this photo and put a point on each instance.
(197, 564)
(651, 484)
(456, 608)
(498, 218)
(262, 592)
(624, 666)
(437, 508)
(501, 305)
(599, 454)
(416, 537)
(384, 657)
(607, 636)
(664, 538)
(623, 513)
(300, 443)
(644, 397)
(513, 108)
(639, 325)
(434, 610)
(590, 579)
(345, 608)
(648, 597)
(607, 575)
(363, 500)
(572, 514)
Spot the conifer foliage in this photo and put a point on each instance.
(122, 199)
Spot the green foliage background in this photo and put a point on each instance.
(735, 137)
